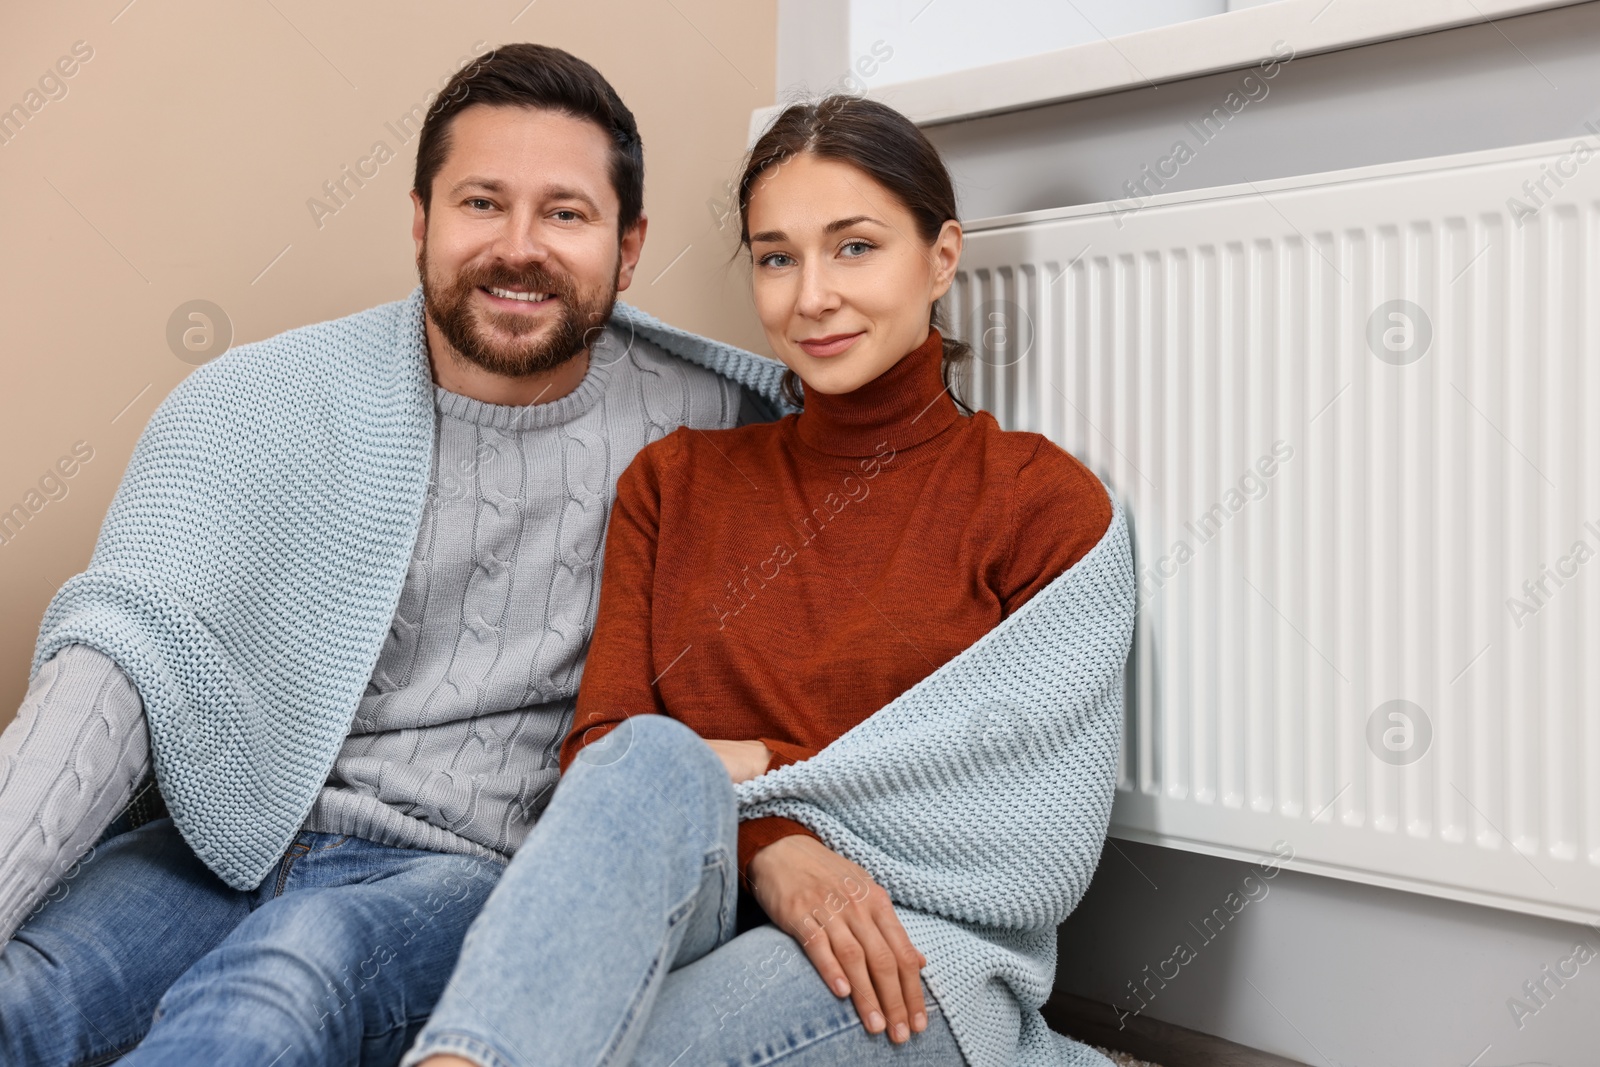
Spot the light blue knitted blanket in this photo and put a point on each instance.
(979, 799)
(250, 565)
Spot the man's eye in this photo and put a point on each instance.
(568, 215)
(479, 203)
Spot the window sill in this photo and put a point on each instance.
(1182, 50)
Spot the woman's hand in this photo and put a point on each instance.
(744, 759)
(847, 926)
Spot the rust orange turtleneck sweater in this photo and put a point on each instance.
(782, 581)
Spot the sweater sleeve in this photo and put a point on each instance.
(1059, 511)
(757, 834)
(69, 762)
(783, 753)
(620, 673)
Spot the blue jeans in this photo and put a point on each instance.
(336, 958)
(610, 939)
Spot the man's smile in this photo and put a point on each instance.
(515, 297)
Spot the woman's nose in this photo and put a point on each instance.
(818, 295)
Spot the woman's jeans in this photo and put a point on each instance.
(610, 938)
(336, 958)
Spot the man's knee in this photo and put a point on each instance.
(304, 974)
(80, 978)
(301, 1008)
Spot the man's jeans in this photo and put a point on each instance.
(336, 958)
(610, 939)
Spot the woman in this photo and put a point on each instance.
(767, 589)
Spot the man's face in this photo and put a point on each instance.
(519, 252)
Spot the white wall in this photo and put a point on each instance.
(813, 46)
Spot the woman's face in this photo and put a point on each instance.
(843, 283)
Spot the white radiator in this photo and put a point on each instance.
(1356, 421)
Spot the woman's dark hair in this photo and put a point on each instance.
(536, 75)
(880, 142)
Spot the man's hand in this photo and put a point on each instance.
(744, 759)
(847, 926)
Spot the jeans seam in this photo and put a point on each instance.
(459, 1041)
(932, 1008)
(674, 917)
(680, 911)
(292, 853)
(727, 909)
(849, 1024)
(107, 1057)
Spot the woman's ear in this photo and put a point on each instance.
(946, 256)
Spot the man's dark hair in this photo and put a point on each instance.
(536, 75)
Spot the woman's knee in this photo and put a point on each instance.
(652, 764)
(656, 746)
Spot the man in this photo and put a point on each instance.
(341, 605)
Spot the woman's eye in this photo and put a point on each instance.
(776, 259)
(856, 249)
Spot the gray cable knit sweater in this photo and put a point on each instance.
(453, 747)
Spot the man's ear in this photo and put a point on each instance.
(419, 221)
(632, 246)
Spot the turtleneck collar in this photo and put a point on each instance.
(904, 406)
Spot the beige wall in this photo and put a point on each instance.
(178, 165)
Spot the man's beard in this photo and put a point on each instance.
(535, 347)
